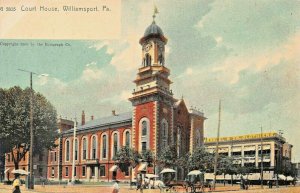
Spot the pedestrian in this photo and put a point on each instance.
(116, 188)
(16, 185)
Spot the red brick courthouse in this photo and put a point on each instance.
(156, 121)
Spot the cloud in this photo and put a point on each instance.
(259, 61)
(92, 72)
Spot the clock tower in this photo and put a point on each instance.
(152, 98)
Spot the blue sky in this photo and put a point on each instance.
(245, 53)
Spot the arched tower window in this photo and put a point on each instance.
(148, 59)
(144, 130)
(76, 149)
(84, 148)
(94, 147)
(164, 134)
(179, 144)
(67, 150)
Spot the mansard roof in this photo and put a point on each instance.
(104, 123)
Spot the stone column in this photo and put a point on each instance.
(256, 155)
(88, 173)
(242, 154)
(272, 154)
(96, 173)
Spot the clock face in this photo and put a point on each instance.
(147, 47)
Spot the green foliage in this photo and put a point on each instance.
(201, 160)
(226, 166)
(126, 157)
(183, 161)
(15, 122)
(147, 156)
(168, 157)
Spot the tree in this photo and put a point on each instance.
(147, 156)
(226, 166)
(200, 159)
(126, 157)
(15, 122)
(168, 157)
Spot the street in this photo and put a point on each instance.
(126, 189)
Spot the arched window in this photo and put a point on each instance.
(94, 147)
(148, 60)
(84, 148)
(179, 145)
(127, 139)
(76, 149)
(144, 126)
(67, 150)
(115, 144)
(164, 134)
(104, 147)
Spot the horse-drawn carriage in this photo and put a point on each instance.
(193, 183)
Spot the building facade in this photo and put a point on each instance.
(156, 121)
(246, 151)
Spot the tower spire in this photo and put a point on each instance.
(155, 11)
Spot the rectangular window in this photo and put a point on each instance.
(127, 171)
(8, 157)
(84, 154)
(144, 146)
(93, 170)
(94, 153)
(52, 172)
(40, 171)
(76, 156)
(51, 156)
(75, 172)
(83, 170)
(55, 156)
(102, 170)
(67, 171)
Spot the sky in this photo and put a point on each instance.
(244, 53)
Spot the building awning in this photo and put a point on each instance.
(281, 177)
(289, 178)
(236, 149)
(6, 170)
(265, 147)
(142, 167)
(19, 171)
(113, 168)
(249, 148)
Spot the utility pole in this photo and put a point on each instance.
(74, 147)
(262, 161)
(217, 147)
(31, 184)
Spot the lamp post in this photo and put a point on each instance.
(261, 162)
(31, 184)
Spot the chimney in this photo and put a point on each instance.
(82, 118)
(92, 117)
(113, 112)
